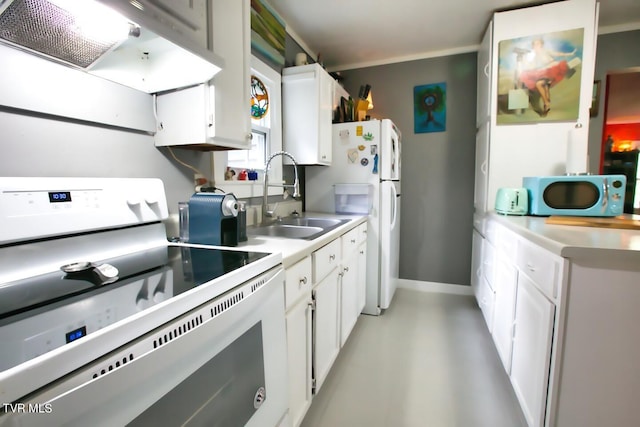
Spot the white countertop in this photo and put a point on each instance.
(576, 242)
(293, 250)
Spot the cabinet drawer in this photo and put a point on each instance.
(298, 281)
(325, 259)
(350, 242)
(541, 266)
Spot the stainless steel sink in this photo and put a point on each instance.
(297, 227)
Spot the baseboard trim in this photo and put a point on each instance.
(445, 288)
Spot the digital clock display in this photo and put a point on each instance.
(76, 333)
(59, 196)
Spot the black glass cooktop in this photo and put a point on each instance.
(189, 267)
(51, 310)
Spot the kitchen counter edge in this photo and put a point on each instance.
(580, 244)
(293, 250)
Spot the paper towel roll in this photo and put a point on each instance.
(577, 151)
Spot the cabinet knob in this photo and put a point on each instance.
(361, 252)
(303, 281)
(332, 257)
(353, 240)
(346, 269)
(531, 267)
(249, 136)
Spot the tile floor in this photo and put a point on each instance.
(428, 361)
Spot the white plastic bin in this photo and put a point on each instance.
(353, 198)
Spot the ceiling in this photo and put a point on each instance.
(358, 33)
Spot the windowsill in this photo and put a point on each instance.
(246, 189)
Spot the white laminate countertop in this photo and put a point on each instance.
(293, 250)
(576, 242)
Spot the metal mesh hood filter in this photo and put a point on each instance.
(48, 29)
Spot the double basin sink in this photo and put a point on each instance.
(306, 228)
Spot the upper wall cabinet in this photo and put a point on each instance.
(216, 115)
(307, 101)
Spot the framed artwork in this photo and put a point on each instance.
(595, 99)
(539, 77)
(430, 108)
(267, 32)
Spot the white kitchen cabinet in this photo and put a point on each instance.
(348, 284)
(484, 77)
(503, 309)
(186, 17)
(476, 261)
(534, 324)
(232, 105)
(189, 17)
(299, 312)
(307, 97)
(506, 153)
(214, 115)
(299, 352)
(326, 326)
(362, 266)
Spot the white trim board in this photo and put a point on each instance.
(445, 288)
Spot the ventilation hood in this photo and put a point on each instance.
(123, 44)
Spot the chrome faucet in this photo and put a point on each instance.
(266, 213)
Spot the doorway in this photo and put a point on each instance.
(620, 143)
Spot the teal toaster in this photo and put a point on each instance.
(512, 201)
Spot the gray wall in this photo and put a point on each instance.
(41, 146)
(615, 52)
(437, 168)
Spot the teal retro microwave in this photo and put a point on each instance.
(576, 195)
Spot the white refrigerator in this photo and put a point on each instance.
(366, 152)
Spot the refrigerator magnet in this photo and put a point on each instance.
(375, 164)
(364, 161)
(374, 149)
(361, 147)
(352, 155)
(368, 136)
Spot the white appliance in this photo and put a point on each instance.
(104, 322)
(366, 152)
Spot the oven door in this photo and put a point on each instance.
(222, 364)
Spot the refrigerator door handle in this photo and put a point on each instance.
(394, 206)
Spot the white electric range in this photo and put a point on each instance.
(105, 322)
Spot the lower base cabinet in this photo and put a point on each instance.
(326, 326)
(298, 321)
(348, 297)
(534, 321)
(324, 294)
(520, 317)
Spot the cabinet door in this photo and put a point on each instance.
(325, 118)
(484, 78)
(189, 17)
(232, 36)
(326, 326)
(348, 297)
(533, 333)
(476, 261)
(482, 169)
(362, 276)
(307, 107)
(506, 276)
(299, 359)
